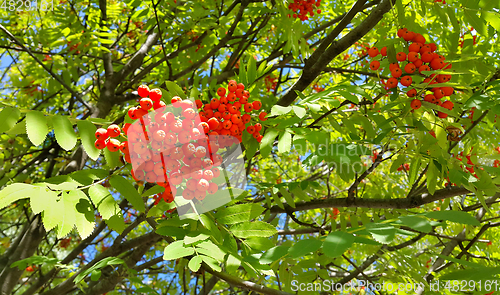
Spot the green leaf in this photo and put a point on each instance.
(454, 216)
(67, 212)
(212, 263)
(104, 201)
(192, 238)
(16, 191)
(153, 191)
(210, 249)
(116, 223)
(36, 127)
(177, 250)
(493, 18)
(432, 177)
(416, 223)
(253, 229)
(277, 110)
(239, 213)
(112, 158)
(476, 22)
(9, 118)
(195, 263)
(232, 263)
(65, 135)
(382, 233)
(101, 264)
(87, 135)
(476, 274)
(336, 243)
(40, 200)
(304, 247)
(274, 254)
(267, 142)
(243, 75)
(285, 142)
(251, 71)
(175, 89)
(128, 191)
(288, 197)
(299, 111)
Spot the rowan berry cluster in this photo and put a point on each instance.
(418, 58)
(303, 7)
(177, 146)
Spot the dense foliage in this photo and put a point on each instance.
(375, 159)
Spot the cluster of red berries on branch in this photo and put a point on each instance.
(302, 8)
(177, 145)
(417, 58)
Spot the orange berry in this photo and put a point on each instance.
(262, 116)
(393, 66)
(406, 81)
(401, 32)
(414, 47)
(374, 65)
(411, 93)
(372, 52)
(392, 82)
(423, 68)
(401, 56)
(143, 90)
(416, 104)
(256, 105)
(232, 86)
(448, 105)
(396, 73)
(383, 51)
(410, 68)
(412, 56)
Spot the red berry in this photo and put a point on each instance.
(101, 134)
(374, 65)
(132, 113)
(113, 145)
(372, 52)
(100, 144)
(262, 116)
(257, 105)
(143, 91)
(416, 104)
(221, 91)
(411, 93)
(401, 56)
(155, 94)
(114, 130)
(406, 81)
(232, 86)
(448, 105)
(146, 103)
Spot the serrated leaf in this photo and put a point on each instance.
(63, 130)
(67, 215)
(16, 191)
(36, 127)
(195, 263)
(382, 233)
(304, 247)
(253, 229)
(454, 216)
(9, 118)
(285, 142)
(104, 201)
(337, 243)
(128, 191)
(177, 250)
(239, 213)
(87, 134)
